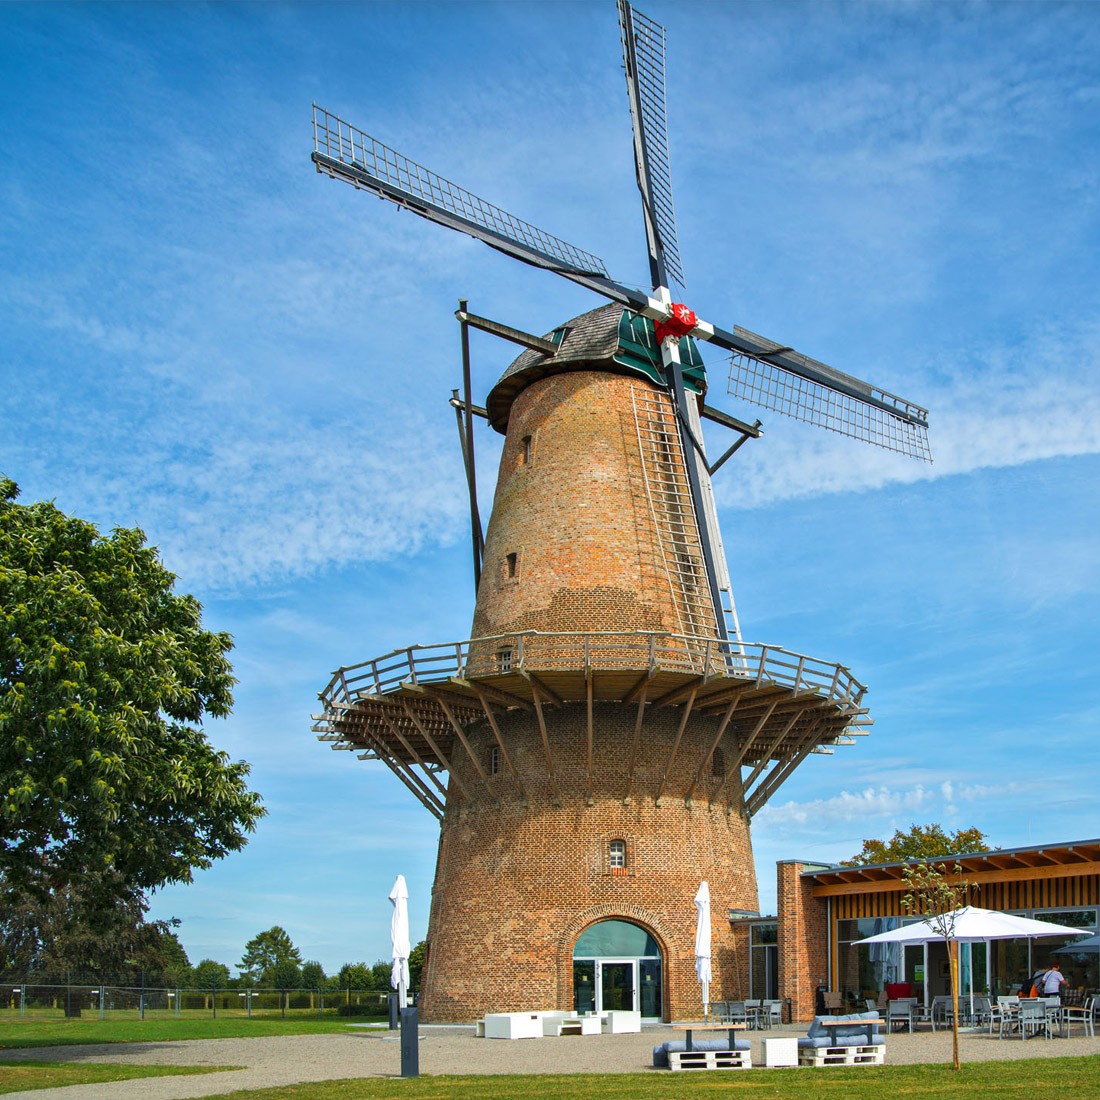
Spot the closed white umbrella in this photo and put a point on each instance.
(702, 943)
(399, 936)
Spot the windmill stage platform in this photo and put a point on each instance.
(412, 708)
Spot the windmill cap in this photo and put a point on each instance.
(608, 338)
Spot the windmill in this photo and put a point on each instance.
(605, 708)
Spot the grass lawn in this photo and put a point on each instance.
(1023, 1080)
(17, 1076)
(60, 1032)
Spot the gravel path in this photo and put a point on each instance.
(284, 1060)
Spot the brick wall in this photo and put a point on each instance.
(576, 543)
(518, 880)
(803, 940)
(575, 507)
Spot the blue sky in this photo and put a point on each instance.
(205, 339)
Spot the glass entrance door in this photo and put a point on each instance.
(618, 980)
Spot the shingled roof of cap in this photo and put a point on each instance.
(590, 340)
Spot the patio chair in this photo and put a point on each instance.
(834, 1002)
(738, 1013)
(1033, 1018)
(983, 1011)
(775, 1013)
(898, 1013)
(1083, 1015)
(1004, 1015)
(941, 1011)
(719, 1010)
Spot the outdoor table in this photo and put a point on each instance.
(689, 1028)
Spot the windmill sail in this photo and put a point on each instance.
(644, 58)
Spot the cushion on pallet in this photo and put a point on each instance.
(859, 1034)
(661, 1052)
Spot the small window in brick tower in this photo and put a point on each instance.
(510, 564)
(617, 853)
(525, 451)
(494, 760)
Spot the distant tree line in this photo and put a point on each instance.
(42, 943)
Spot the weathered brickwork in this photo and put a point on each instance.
(575, 543)
(578, 516)
(803, 940)
(517, 882)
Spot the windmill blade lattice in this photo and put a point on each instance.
(344, 151)
(644, 57)
(869, 419)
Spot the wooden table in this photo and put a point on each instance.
(689, 1028)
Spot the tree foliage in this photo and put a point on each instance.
(106, 675)
(937, 895)
(269, 957)
(209, 974)
(920, 842)
(313, 975)
(72, 934)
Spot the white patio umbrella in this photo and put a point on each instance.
(399, 936)
(969, 925)
(702, 943)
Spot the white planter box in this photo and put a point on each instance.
(513, 1025)
(780, 1051)
(621, 1022)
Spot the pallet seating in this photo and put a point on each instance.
(851, 1040)
(709, 1059)
(704, 1054)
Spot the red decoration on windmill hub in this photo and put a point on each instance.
(681, 323)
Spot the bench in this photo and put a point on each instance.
(851, 1040)
(690, 1053)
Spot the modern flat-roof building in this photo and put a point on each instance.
(823, 910)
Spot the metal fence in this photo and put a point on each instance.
(29, 1000)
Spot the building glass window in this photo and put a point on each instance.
(494, 760)
(617, 853)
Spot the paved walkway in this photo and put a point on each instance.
(285, 1060)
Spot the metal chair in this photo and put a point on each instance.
(1083, 1015)
(1003, 1014)
(941, 1011)
(775, 1013)
(1033, 1018)
(898, 1013)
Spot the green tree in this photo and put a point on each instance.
(416, 963)
(106, 675)
(266, 951)
(71, 933)
(209, 974)
(920, 842)
(937, 895)
(355, 976)
(380, 974)
(176, 970)
(313, 975)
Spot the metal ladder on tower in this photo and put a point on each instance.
(674, 520)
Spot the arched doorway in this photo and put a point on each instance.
(617, 965)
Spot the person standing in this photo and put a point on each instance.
(1053, 980)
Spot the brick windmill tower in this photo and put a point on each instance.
(598, 745)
